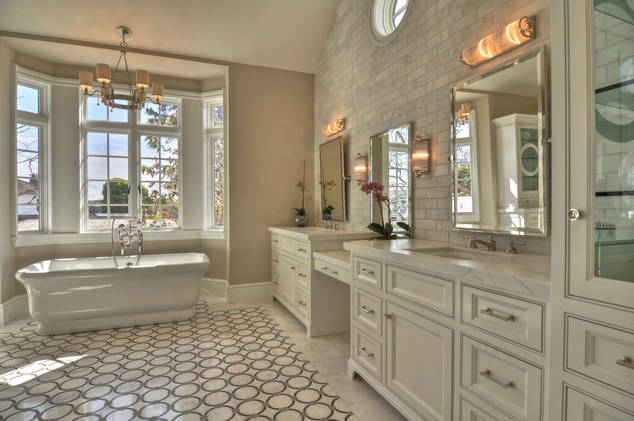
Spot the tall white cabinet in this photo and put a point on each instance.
(591, 364)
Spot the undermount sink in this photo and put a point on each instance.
(450, 253)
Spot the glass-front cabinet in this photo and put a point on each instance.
(601, 154)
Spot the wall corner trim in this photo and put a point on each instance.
(14, 308)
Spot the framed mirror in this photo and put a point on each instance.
(390, 166)
(331, 181)
(500, 159)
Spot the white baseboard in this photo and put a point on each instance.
(249, 292)
(14, 308)
(215, 288)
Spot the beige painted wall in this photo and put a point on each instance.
(270, 136)
(7, 286)
(379, 87)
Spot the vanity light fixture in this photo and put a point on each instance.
(511, 36)
(464, 112)
(361, 168)
(136, 95)
(421, 156)
(334, 127)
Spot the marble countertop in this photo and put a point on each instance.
(527, 273)
(316, 233)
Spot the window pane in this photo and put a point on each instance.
(169, 147)
(149, 193)
(28, 217)
(118, 144)
(28, 99)
(28, 137)
(462, 130)
(97, 193)
(98, 220)
(218, 174)
(119, 191)
(159, 115)
(28, 164)
(118, 168)
(96, 143)
(150, 169)
(118, 115)
(97, 167)
(217, 116)
(169, 170)
(150, 146)
(118, 211)
(95, 110)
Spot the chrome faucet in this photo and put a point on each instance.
(127, 232)
(489, 245)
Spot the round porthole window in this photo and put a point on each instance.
(386, 17)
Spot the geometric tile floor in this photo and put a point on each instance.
(221, 365)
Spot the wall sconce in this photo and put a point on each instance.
(334, 127)
(464, 112)
(421, 156)
(511, 36)
(361, 168)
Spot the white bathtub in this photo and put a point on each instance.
(74, 295)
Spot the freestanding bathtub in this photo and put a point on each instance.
(74, 295)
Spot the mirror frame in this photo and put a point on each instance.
(543, 142)
(343, 179)
(410, 205)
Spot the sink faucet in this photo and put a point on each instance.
(488, 245)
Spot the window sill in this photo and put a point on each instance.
(106, 237)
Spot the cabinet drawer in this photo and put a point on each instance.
(288, 245)
(501, 379)
(580, 406)
(302, 301)
(302, 250)
(343, 275)
(470, 412)
(428, 291)
(275, 262)
(302, 276)
(368, 272)
(368, 353)
(367, 311)
(513, 319)
(602, 353)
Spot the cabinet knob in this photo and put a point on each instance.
(625, 362)
(573, 214)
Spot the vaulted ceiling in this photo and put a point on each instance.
(282, 34)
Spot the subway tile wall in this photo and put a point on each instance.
(408, 80)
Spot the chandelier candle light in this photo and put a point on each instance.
(136, 97)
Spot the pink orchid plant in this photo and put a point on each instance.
(384, 229)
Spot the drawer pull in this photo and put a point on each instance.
(489, 312)
(327, 269)
(292, 267)
(487, 374)
(276, 261)
(387, 315)
(276, 241)
(302, 250)
(364, 308)
(366, 271)
(301, 274)
(625, 362)
(366, 353)
(301, 303)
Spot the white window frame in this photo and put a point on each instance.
(471, 142)
(42, 121)
(136, 131)
(211, 133)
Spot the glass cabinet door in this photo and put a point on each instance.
(602, 153)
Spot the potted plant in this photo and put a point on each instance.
(326, 214)
(301, 217)
(385, 230)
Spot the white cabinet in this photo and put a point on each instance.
(309, 291)
(593, 274)
(440, 343)
(419, 362)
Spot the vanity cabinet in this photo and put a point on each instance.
(593, 305)
(306, 287)
(441, 343)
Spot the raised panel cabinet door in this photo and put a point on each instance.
(419, 362)
(601, 152)
(288, 276)
(581, 407)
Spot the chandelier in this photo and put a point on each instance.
(463, 114)
(137, 95)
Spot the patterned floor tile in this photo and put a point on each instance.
(236, 364)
